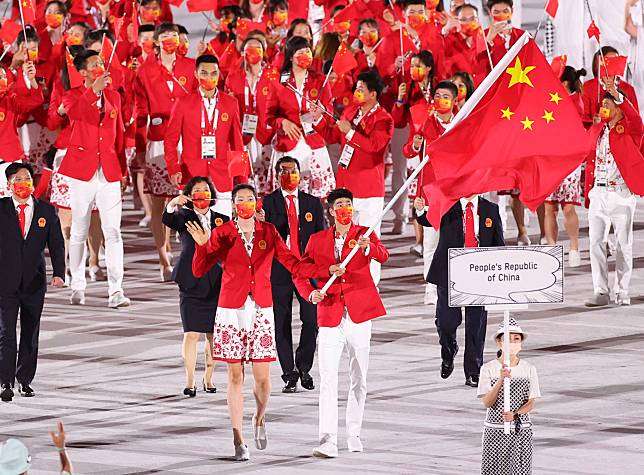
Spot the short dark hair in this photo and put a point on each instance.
(449, 85)
(337, 194)
(80, 60)
(372, 80)
(369, 22)
(182, 30)
(608, 95)
(295, 23)
(96, 36)
(207, 59)
(467, 80)
(60, 5)
(287, 159)
(409, 3)
(165, 27)
(15, 167)
(243, 186)
(146, 29)
(293, 44)
(491, 3)
(145, 2)
(273, 5)
(187, 189)
(466, 5)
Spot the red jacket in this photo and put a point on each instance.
(185, 124)
(17, 101)
(55, 121)
(497, 50)
(592, 99)
(459, 56)
(355, 290)
(400, 112)
(153, 99)
(96, 135)
(282, 104)
(624, 140)
(243, 275)
(237, 86)
(365, 175)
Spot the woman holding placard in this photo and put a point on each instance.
(508, 453)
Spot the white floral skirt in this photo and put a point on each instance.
(244, 334)
(156, 180)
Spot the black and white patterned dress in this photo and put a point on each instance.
(508, 454)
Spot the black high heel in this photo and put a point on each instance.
(208, 390)
(192, 392)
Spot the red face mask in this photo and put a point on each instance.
(208, 84)
(304, 60)
(604, 114)
(73, 40)
(443, 106)
(344, 215)
(170, 45)
(182, 49)
(256, 2)
(342, 27)
(23, 189)
(280, 17)
(103, 2)
(4, 86)
(369, 38)
(150, 14)
(54, 20)
(359, 97)
(32, 55)
(471, 28)
(502, 17)
(462, 92)
(245, 210)
(97, 72)
(148, 46)
(289, 181)
(253, 54)
(418, 73)
(416, 21)
(201, 199)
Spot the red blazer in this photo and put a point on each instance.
(56, 122)
(592, 104)
(432, 129)
(153, 99)
(355, 290)
(365, 176)
(624, 141)
(96, 136)
(400, 112)
(282, 104)
(497, 50)
(236, 85)
(17, 101)
(459, 56)
(185, 124)
(243, 275)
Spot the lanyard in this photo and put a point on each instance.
(208, 125)
(359, 117)
(304, 94)
(171, 75)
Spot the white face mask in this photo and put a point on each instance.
(515, 348)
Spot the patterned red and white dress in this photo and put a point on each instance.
(569, 192)
(245, 334)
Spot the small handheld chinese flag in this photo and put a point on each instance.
(43, 182)
(201, 5)
(419, 114)
(106, 49)
(245, 26)
(551, 7)
(75, 78)
(558, 64)
(27, 12)
(238, 163)
(176, 3)
(350, 12)
(615, 66)
(593, 31)
(9, 31)
(344, 61)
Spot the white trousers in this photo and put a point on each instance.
(430, 242)
(606, 208)
(356, 338)
(366, 213)
(399, 172)
(107, 196)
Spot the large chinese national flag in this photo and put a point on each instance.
(519, 130)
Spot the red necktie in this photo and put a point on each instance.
(22, 217)
(470, 235)
(293, 226)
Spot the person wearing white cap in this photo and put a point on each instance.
(511, 453)
(14, 458)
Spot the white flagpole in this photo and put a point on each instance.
(506, 362)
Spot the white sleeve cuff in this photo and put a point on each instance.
(171, 209)
(349, 134)
(318, 120)
(620, 98)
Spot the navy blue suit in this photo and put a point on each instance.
(311, 220)
(198, 298)
(449, 318)
(23, 283)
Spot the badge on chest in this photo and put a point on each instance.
(208, 147)
(346, 156)
(249, 125)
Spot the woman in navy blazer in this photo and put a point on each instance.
(198, 297)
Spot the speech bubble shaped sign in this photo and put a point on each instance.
(506, 275)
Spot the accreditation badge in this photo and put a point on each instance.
(249, 124)
(208, 147)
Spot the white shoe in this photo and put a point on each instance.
(574, 259)
(416, 250)
(543, 241)
(166, 274)
(261, 440)
(77, 297)
(354, 443)
(96, 274)
(622, 299)
(242, 454)
(117, 300)
(327, 450)
(523, 240)
(68, 279)
(145, 222)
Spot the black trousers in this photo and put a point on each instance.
(448, 319)
(29, 306)
(283, 311)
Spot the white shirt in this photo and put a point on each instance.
(204, 219)
(29, 213)
(475, 210)
(210, 104)
(606, 171)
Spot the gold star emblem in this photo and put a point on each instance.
(548, 116)
(527, 123)
(554, 97)
(507, 113)
(519, 75)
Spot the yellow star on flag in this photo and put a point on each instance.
(519, 75)
(548, 116)
(554, 97)
(527, 123)
(507, 113)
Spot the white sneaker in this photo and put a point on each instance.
(622, 299)
(166, 274)
(543, 241)
(145, 222)
(77, 297)
(117, 300)
(261, 440)
(242, 454)
(416, 250)
(354, 443)
(574, 259)
(96, 274)
(523, 240)
(327, 450)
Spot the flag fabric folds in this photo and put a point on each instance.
(201, 5)
(344, 61)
